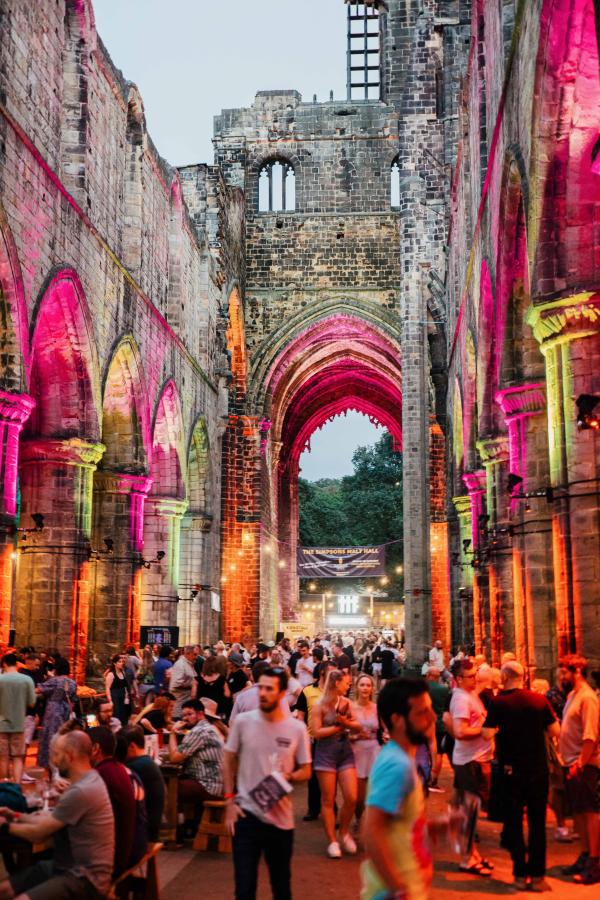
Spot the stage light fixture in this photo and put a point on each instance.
(38, 518)
(586, 404)
(513, 481)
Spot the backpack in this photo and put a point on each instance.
(12, 796)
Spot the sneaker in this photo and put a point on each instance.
(27, 779)
(591, 873)
(539, 885)
(563, 835)
(310, 818)
(349, 844)
(519, 884)
(334, 850)
(436, 789)
(577, 867)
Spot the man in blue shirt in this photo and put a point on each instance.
(396, 833)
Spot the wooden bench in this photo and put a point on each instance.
(212, 825)
(133, 884)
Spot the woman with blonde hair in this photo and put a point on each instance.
(364, 743)
(332, 722)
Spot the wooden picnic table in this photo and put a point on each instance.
(168, 831)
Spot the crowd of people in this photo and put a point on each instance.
(245, 724)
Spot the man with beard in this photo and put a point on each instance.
(399, 862)
(81, 824)
(580, 751)
(266, 752)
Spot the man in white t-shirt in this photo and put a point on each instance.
(436, 656)
(259, 813)
(472, 754)
(305, 665)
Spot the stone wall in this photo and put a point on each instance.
(523, 335)
(110, 300)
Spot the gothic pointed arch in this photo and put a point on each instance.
(14, 344)
(200, 470)
(565, 157)
(168, 467)
(125, 414)
(236, 341)
(65, 380)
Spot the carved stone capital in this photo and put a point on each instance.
(493, 450)
(565, 319)
(121, 482)
(15, 408)
(475, 482)
(168, 507)
(523, 400)
(69, 452)
(462, 504)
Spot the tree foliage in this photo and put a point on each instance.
(361, 509)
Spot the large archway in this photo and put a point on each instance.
(339, 363)
(59, 454)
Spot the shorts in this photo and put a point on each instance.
(42, 882)
(12, 744)
(474, 778)
(582, 790)
(333, 756)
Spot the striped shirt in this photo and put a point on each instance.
(203, 749)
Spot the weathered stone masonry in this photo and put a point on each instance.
(112, 372)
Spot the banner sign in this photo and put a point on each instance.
(341, 562)
(293, 630)
(159, 634)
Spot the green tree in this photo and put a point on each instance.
(364, 508)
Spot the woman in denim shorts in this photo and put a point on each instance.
(332, 721)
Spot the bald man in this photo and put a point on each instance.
(81, 824)
(520, 719)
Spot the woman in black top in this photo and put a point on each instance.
(117, 688)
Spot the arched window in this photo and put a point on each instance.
(276, 187)
(395, 184)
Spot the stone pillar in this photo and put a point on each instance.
(288, 511)
(53, 592)
(241, 530)
(568, 331)
(476, 486)
(14, 412)
(118, 514)
(462, 615)
(439, 538)
(494, 455)
(194, 614)
(160, 582)
(524, 408)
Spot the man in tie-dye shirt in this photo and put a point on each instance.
(396, 834)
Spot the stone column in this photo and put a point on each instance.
(439, 538)
(476, 486)
(524, 408)
(494, 455)
(53, 592)
(194, 613)
(118, 514)
(14, 412)
(568, 331)
(462, 601)
(160, 582)
(241, 529)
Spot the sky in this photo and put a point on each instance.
(333, 446)
(192, 58)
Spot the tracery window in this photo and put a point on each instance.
(277, 187)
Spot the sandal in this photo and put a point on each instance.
(476, 869)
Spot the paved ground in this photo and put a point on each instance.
(184, 873)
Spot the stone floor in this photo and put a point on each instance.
(183, 872)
